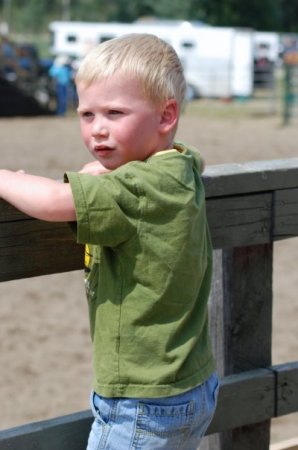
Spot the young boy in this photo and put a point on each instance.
(140, 210)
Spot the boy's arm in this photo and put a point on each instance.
(38, 197)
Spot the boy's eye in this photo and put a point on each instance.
(87, 114)
(114, 112)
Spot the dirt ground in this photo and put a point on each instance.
(45, 361)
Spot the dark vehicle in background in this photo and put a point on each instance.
(25, 82)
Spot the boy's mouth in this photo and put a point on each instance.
(102, 150)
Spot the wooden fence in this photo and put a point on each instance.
(249, 207)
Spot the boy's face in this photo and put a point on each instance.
(118, 124)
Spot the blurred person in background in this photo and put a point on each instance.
(60, 71)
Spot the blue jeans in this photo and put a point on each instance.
(61, 91)
(171, 423)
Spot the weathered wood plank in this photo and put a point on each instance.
(32, 247)
(256, 176)
(287, 388)
(9, 214)
(285, 213)
(61, 433)
(247, 306)
(216, 325)
(240, 220)
(244, 399)
(234, 221)
(71, 432)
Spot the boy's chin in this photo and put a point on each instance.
(112, 165)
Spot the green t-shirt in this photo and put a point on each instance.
(149, 263)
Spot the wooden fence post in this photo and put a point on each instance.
(216, 322)
(241, 329)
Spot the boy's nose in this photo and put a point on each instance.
(99, 129)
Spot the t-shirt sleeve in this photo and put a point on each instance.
(199, 162)
(198, 159)
(102, 206)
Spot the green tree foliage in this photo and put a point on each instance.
(289, 13)
(278, 15)
(263, 15)
(33, 16)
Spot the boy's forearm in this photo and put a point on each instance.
(38, 197)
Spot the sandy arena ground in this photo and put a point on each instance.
(45, 367)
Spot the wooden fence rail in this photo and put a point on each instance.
(249, 207)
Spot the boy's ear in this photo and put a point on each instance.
(169, 116)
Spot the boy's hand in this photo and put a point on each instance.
(94, 168)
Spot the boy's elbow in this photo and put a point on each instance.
(59, 206)
(57, 215)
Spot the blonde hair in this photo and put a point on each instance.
(151, 60)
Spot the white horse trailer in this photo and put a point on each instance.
(218, 61)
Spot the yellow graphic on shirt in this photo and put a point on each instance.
(88, 258)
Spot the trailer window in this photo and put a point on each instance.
(188, 44)
(105, 38)
(71, 38)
